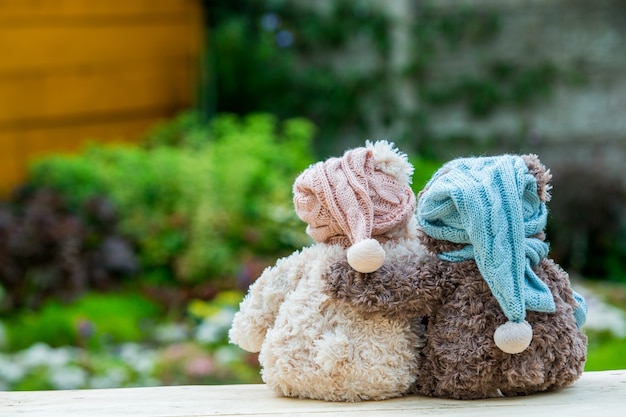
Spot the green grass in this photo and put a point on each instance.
(610, 354)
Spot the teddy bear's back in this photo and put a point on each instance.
(463, 357)
(329, 350)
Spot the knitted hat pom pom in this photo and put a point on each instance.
(513, 337)
(366, 256)
(357, 201)
(391, 161)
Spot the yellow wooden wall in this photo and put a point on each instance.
(73, 71)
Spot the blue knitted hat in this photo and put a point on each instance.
(491, 204)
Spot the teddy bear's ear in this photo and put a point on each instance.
(543, 175)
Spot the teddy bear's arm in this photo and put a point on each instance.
(259, 308)
(411, 288)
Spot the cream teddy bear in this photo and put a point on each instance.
(359, 207)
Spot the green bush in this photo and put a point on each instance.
(113, 340)
(93, 320)
(424, 170)
(272, 56)
(587, 226)
(199, 198)
(606, 354)
(48, 252)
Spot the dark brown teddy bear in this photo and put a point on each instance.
(502, 319)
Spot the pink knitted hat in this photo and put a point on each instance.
(356, 200)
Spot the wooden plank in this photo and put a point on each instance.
(28, 48)
(11, 167)
(72, 139)
(596, 394)
(24, 146)
(31, 98)
(29, 9)
(76, 70)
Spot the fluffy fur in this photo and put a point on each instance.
(312, 346)
(460, 359)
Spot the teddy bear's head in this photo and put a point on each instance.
(359, 200)
(492, 210)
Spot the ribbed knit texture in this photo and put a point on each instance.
(491, 204)
(580, 313)
(346, 200)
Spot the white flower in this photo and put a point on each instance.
(69, 377)
(227, 354)
(113, 378)
(171, 333)
(137, 358)
(60, 357)
(213, 328)
(36, 355)
(10, 370)
(223, 318)
(602, 315)
(208, 332)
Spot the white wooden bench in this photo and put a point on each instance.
(596, 394)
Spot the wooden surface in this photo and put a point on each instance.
(595, 394)
(77, 70)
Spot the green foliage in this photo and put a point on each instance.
(435, 31)
(199, 197)
(483, 88)
(587, 228)
(110, 340)
(504, 84)
(215, 317)
(48, 252)
(292, 58)
(424, 170)
(607, 340)
(92, 320)
(143, 185)
(273, 56)
(187, 130)
(248, 202)
(606, 355)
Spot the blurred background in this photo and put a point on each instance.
(148, 149)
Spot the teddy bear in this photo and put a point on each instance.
(359, 208)
(501, 317)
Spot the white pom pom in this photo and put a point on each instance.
(366, 255)
(391, 161)
(513, 337)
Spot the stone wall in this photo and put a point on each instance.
(584, 121)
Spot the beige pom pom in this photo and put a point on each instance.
(366, 255)
(513, 337)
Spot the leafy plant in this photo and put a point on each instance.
(196, 208)
(587, 224)
(606, 355)
(48, 251)
(295, 58)
(273, 56)
(84, 345)
(92, 321)
(423, 171)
